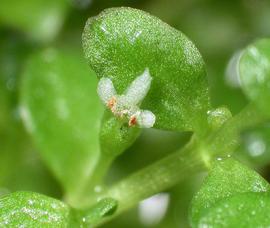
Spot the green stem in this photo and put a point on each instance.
(88, 193)
(180, 165)
(156, 177)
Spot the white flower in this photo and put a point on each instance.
(126, 106)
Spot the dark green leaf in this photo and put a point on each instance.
(255, 73)
(120, 43)
(62, 112)
(228, 177)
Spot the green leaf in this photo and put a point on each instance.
(105, 207)
(242, 210)
(115, 137)
(41, 20)
(255, 73)
(120, 43)
(62, 112)
(28, 209)
(18, 160)
(227, 178)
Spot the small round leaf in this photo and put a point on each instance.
(121, 43)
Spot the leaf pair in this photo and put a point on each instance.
(61, 109)
(231, 196)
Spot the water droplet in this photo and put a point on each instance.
(104, 29)
(217, 117)
(135, 36)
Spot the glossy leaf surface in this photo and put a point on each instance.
(227, 178)
(28, 209)
(120, 43)
(242, 210)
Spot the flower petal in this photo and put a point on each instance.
(105, 90)
(146, 119)
(138, 89)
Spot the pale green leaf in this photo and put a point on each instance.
(62, 112)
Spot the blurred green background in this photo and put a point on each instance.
(220, 29)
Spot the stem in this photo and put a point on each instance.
(180, 165)
(155, 178)
(88, 193)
